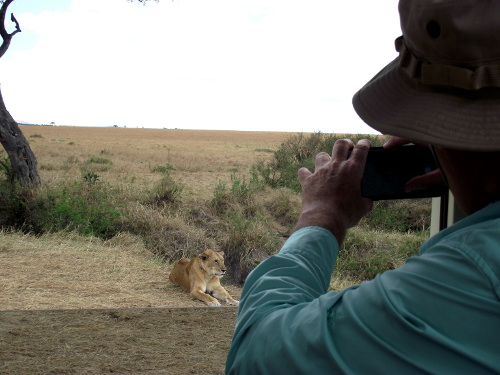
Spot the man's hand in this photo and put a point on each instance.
(331, 196)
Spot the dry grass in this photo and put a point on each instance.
(199, 157)
(64, 271)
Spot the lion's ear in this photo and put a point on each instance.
(221, 253)
(203, 257)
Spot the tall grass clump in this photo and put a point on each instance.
(14, 197)
(169, 234)
(368, 252)
(166, 192)
(402, 216)
(246, 241)
(239, 192)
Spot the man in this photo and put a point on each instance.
(440, 312)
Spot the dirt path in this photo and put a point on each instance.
(71, 305)
(131, 341)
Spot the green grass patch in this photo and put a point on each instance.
(98, 160)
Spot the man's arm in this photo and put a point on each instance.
(278, 289)
(420, 318)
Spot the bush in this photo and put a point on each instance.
(240, 193)
(80, 207)
(248, 241)
(13, 204)
(86, 208)
(166, 192)
(393, 231)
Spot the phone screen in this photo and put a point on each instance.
(387, 171)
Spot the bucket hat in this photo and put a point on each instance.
(444, 87)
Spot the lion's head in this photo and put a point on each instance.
(213, 262)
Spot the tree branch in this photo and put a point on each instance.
(3, 32)
(18, 29)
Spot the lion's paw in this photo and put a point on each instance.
(214, 303)
(234, 303)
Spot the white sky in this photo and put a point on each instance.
(276, 65)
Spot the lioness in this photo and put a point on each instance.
(201, 275)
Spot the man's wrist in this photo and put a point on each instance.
(323, 220)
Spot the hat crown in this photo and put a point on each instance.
(457, 32)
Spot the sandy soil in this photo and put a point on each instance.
(129, 341)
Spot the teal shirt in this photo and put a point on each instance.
(437, 314)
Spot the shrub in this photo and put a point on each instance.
(240, 193)
(166, 192)
(86, 208)
(393, 231)
(13, 204)
(248, 241)
(90, 177)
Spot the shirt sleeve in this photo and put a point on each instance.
(412, 320)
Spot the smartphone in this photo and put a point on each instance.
(387, 172)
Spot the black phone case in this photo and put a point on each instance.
(387, 171)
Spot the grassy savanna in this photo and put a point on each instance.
(178, 192)
(117, 206)
(129, 157)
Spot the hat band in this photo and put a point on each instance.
(446, 75)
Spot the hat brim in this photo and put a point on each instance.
(395, 104)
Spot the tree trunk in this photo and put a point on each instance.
(22, 160)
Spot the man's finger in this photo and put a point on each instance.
(303, 174)
(341, 149)
(395, 142)
(321, 159)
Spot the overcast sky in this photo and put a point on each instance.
(277, 65)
